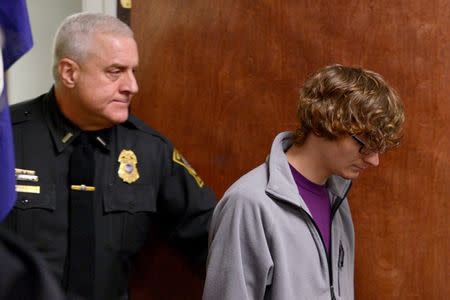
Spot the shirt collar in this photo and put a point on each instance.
(63, 131)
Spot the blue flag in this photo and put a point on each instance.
(15, 41)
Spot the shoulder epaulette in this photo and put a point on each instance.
(23, 111)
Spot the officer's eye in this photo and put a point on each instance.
(114, 73)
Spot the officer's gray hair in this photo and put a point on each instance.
(72, 39)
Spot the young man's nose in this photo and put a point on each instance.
(372, 159)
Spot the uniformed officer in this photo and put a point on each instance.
(92, 179)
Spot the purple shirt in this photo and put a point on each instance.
(318, 202)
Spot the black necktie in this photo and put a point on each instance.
(81, 264)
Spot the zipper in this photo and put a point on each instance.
(334, 209)
(333, 296)
(340, 265)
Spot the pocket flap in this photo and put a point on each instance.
(42, 196)
(129, 198)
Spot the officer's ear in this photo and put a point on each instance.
(68, 71)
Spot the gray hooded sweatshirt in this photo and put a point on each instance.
(264, 243)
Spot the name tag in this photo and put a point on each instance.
(32, 189)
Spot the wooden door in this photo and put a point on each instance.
(220, 78)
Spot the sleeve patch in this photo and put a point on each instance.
(179, 159)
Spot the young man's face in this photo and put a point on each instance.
(106, 81)
(343, 158)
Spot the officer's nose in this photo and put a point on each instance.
(129, 83)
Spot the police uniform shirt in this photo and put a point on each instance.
(166, 191)
(24, 275)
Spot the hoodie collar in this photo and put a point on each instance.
(281, 183)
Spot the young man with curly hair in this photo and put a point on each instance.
(284, 230)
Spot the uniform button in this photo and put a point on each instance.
(25, 201)
(26, 113)
(131, 205)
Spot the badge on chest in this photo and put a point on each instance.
(128, 171)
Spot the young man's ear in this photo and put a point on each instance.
(68, 72)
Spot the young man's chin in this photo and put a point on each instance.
(350, 175)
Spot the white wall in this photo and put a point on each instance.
(31, 75)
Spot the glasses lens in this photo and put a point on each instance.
(363, 149)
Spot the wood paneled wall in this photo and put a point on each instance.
(220, 78)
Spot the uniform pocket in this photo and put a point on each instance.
(129, 198)
(129, 209)
(33, 216)
(45, 199)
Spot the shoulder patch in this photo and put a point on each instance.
(179, 159)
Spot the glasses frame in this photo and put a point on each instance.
(364, 150)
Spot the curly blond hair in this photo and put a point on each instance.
(339, 101)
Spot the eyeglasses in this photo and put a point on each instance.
(364, 150)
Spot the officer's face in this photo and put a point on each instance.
(106, 82)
